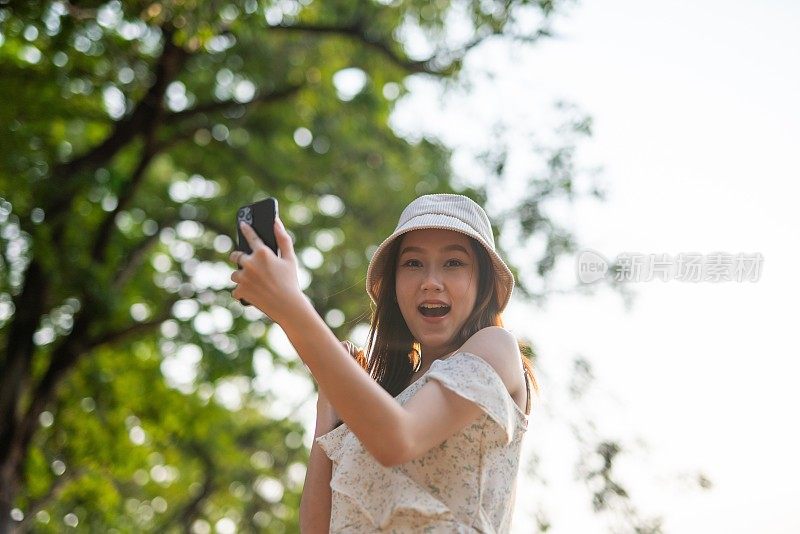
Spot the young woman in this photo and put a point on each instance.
(433, 429)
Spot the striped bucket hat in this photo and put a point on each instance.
(449, 212)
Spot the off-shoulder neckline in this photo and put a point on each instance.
(525, 418)
(467, 353)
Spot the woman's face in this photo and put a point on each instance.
(436, 265)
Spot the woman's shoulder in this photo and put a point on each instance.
(495, 334)
(499, 348)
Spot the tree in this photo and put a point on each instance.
(133, 132)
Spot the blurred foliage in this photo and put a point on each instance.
(131, 132)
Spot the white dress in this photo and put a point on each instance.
(465, 485)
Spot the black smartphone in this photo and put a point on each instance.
(261, 216)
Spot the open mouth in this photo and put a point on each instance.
(434, 311)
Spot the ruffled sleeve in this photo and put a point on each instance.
(333, 442)
(473, 378)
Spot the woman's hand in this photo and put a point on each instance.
(264, 279)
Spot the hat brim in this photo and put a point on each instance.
(504, 279)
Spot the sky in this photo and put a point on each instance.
(695, 118)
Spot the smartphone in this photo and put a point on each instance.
(261, 216)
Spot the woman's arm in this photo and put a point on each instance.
(270, 283)
(370, 412)
(315, 503)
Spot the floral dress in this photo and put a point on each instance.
(466, 484)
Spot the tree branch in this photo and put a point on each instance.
(134, 328)
(66, 355)
(212, 107)
(151, 149)
(143, 118)
(185, 515)
(358, 32)
(63, 358)
(133, 260)
(56, 488)
(126, 195)
(15, 366)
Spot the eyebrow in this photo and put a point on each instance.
(443, 249)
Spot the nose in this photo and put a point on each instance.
(432, 281)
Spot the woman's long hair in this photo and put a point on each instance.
(394, 353)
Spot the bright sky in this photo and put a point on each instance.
(696, 125)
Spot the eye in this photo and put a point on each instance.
(450, 263)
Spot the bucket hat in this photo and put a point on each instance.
(450, 212)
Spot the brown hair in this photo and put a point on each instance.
(392, 348)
